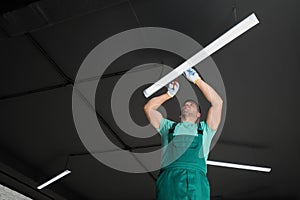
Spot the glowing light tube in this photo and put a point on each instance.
(238, 166)
(54, 179)
(224, 39)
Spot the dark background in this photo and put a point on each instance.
(43, 44)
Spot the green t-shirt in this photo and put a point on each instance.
(187, 128)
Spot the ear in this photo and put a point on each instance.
(198, 114)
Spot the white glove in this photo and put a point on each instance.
(173, 88)
(191, 75)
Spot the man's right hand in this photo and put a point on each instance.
(173, 88)
(152, 105)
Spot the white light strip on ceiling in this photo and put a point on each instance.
(54, 179)
(238, 166)
(227, 37)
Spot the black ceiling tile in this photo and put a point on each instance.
(73, 40)
(204, 21)
(25, 67)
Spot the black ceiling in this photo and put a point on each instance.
(43, 44)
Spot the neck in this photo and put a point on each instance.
(188, 120)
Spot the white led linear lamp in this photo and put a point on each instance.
(54, 179)
(224, 39)
(238, 166)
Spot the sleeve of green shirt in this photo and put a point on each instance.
(163, 130)
(164, 126)
(207, 130)
(208, 135)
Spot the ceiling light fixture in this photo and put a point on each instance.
(224, 39)
(54, 179)
(238, 166)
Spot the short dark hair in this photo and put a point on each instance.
(193, 101)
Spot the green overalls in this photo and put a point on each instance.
(183, 166)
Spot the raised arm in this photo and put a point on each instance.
(151, 107)
(215, 111)
(153, 104)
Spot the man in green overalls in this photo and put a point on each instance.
(185, 144)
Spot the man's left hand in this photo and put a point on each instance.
(192, 75)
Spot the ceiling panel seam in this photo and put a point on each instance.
(48, 57)
(134, 13)
(43, 89)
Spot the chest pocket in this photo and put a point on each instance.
(184, 141)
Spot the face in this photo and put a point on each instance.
(189, 110)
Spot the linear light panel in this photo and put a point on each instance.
(54, 179)
(238, 166)
(227, 37)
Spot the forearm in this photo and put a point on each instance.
(155, 102)
(209, 93)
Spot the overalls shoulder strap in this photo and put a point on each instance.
(200, 131)
(171, 130)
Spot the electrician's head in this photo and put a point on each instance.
(190, 111)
